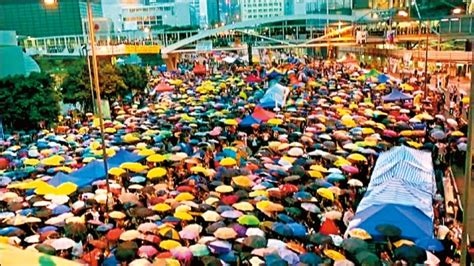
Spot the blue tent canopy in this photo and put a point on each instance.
(396, 95)
(413, 222)
(382, 78)
(94, 170)
(248, 121)
(123, 156)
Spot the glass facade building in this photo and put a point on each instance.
(34, 18)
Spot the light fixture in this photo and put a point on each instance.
(49, 2)
(457, 11)
(402, 13)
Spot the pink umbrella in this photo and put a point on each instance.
(350, 169)
(147, 251)
(390, 133)
(190, 231)
(182, 253)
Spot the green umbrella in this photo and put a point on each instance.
(126, 251)
(46, 249)
(319, 239)
(248, 220)
(211, 261)
(368, 258)
(255, 241)
(354, 245)
(411, 254)
(293, 211)
(199, 250)
(389, 230)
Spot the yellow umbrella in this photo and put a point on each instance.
(325, 193)
(130, 138)
(319, 168)
(64, 169)
(243, 206)
(357, 157)
(275, 121)
(117, 215)
(224, 189)
(110, 152)
(402, 242)
(10, 255)
(169, 244)
(414, 144)
(198, 169)
(359, 233)
(156, 173)
(134, 167)
(315, 174)
(184, 196)
(457, 134)
(155, 158)
(268, 206)
(115, 171)
(146, 152)
(169, 232)
(31, 162)
(406, 87)
(242, 181)
(258, 193)
(231, 122)
(65, 189)
(228, 162)
(183, 216)
(110, 130)
(465, 100)
(367, 131)
(161, 207)
(334, 255)
(88, 159)
(406, 133)
(341, 162)
(55, 160)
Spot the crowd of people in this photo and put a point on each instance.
(220, 180)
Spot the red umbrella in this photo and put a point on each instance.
(253, 79)
(390, 133)
(199, 69)
(114, 234)
(163, 87)
(229, 200)
(92, 258)
(147, 250)
(165, 255)
(350, 169)
(151, 238)
(185, 189)
(288, 188)
(100, 244)
(329, 228)
(3, 163)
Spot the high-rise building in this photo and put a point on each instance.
(35, 18)
(213, 13)
(255, 9)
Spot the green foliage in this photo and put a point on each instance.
(111, 82)
(26, 101)
(135, 77)
(76, 86)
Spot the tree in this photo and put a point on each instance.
(135, 77)
(76, 86)
(111, 83)
(27, 101)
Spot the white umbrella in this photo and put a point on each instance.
(63, 243)
(355, 183)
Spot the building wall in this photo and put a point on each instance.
(33, 18)
(255, 9)
(213, 15)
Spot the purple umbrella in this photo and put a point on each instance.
(232, 214)
(240, 230)
(220, 247)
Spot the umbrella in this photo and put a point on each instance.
(310, 207)
(126, 251)
(255, 241)
(359, 233)
(220, 247)
(355, 183)
(147, 227)
(225, 233)
(182, 253)
(148, 251)
(130, 235)
(199, 250)
(282, 229)
(248, 220)
(310, 259)
(367, 258)
(354, 245)
(161, 207)
(389, 230)
(325, 193)
(169, 232)
(319, 239)
(191, 231)
(46, 249)
(114, 234)
(63, 243)
(169, 244)
(156, 173)
(411, 254)
(297, 229)
(333, 254)
(211, 216)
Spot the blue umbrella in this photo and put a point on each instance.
(310, 258)
(302, 195)
(8, 230)
(282, 229)
(4, 181)
(47, 229)
(430, 244)
(335, 177)
(137, 179)
(285, 218)
(26, 212)
(60, 209)
(4, 215)
(228, 257)
(298, 230)
(105, 227)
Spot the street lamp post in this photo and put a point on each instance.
(84, 48)
(97, 91)
(97, 88)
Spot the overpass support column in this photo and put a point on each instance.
(171, 61)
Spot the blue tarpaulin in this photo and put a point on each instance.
(396, 95)
(413, 222)
(248, 121)
(274, 96)
(94, 170)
